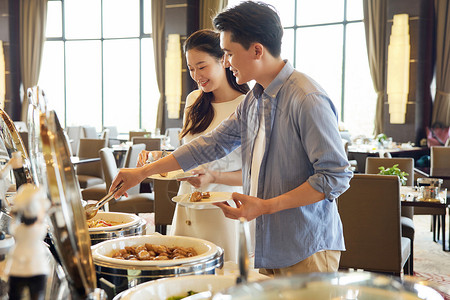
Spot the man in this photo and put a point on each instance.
(293, 162)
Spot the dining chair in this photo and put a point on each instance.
(405, 164)
(130, 161)
(75, 133)
(135, 202)
(89, 132)
(91, 173)
(164, 190)
(113, 135)
(173, 134)
(151, 144)
(370, 214)
(132, 134)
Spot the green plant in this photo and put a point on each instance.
(394, 170)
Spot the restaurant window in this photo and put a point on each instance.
(325, 39)
(98, 65)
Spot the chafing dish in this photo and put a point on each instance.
(129, 225)
(178, 286)
(117, 275)
(351, 285)
(68, 227)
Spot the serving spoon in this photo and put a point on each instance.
(91, 210)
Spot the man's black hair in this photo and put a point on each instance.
(251, 22)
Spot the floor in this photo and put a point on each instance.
(430, 261)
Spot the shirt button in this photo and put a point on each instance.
(188, 222)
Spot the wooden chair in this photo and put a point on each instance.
(164, 190)
(405, 164)
(91, 173)
(89, 132)
(135, 202)
(131, 158)
(132, 134)
(151, 144)
(370, 214)
(75, 133)
(173, 134)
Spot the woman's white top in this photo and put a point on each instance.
(211, 224)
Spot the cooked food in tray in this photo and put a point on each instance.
(101, 223)
(153, 252)
(199, 196)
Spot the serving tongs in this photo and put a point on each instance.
(91, 210)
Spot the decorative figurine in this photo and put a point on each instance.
(28, 264)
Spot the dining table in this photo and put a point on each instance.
(410, 197)
(362, 151)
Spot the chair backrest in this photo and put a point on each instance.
(132, 134)
(164, 207)
(104, 135)
(131, 158)
(174, 136)
(89, 148)
(113, 132)
(405, 164)
(440, 161)
(90, 132)
(151, 144)
(132, 155)
(370, 214)
(109, 166)
(75, 133)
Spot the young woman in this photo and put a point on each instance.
(216, 99)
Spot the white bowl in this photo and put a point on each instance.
(101, 252)
(125, 220)
(161, 289)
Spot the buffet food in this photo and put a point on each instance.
(199, 196)
(101, 223)
(153, 252)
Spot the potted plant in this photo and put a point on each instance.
(394, 170)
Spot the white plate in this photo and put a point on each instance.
(162, 289)
(125, 220)
(102, 251)
(173, 175)
(215, 197)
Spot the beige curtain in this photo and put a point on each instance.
(159, 43)
(33, 17)
(208, 10)
(375, 26)
(441, 106)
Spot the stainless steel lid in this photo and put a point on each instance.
(12, 142)
(352, 285)
(68, 227)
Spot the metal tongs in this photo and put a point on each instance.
(243, 260)
(243, 251)
(91, 210)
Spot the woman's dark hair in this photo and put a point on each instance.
(251, 22)
(200, 114)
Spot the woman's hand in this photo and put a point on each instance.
(143, 157)
(205, 177)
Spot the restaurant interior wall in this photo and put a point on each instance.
(9, 34)
(418, 111)
(181, 18)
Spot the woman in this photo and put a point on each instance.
(215, 100)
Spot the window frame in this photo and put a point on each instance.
(63, 39)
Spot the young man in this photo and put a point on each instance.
(293, 162)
